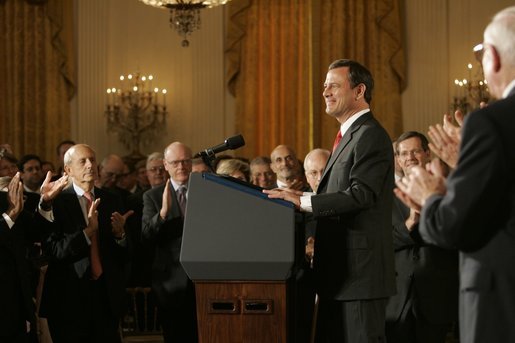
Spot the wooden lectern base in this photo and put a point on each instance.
(237, 312)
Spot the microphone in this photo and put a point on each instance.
(230, 143)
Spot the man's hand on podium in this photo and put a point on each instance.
(287, 194)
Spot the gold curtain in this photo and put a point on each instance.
(37, 72)
(268, 56)
(277, 56)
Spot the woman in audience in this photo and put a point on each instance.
(235, 168)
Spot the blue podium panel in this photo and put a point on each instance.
(232, 231)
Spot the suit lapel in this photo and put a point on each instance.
(176, 211)
(72, 202)
(346, 139)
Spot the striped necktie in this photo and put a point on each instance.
(181, 197)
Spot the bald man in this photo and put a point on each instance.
(84, 293)
(287, 168)
(163, 220)
(314, 164)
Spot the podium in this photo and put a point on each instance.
(238, 248)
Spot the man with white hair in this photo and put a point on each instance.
(83, 294)
(474, 210)
(314, 164)
(164, 208)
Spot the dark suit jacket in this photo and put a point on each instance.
(68, 253)
(477, 216)
(15, 296)
(353, 243)
(426, 275)
(142, 255)
(169, 280)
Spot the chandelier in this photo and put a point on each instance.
(471, 91)
(185, 14)
(136, 112)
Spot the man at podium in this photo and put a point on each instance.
(353, 262)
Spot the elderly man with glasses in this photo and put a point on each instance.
(163, 219)
(474, 209)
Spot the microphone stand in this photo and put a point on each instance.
(208, 157)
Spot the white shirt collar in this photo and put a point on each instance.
(347, 124)
(176, 185)
(28, 190)
(281, 184)
(80, 192)
(508, 89)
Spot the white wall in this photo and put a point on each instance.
(440, 36)
(118, 37)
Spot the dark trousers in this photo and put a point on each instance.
(409, 329)
(93, 323)
(179, 324)
(359, 321)
(20, 338)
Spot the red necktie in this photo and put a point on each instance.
(96, 265)
(337, 140)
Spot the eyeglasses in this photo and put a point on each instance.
(175, 164)
(408, 153)
(156, 169)
(479, 50)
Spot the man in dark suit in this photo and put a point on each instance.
(142, 255)
(83, 295)
(426, 303)
(163, 219)
(17, 309)
(474, 211)
(353, 260)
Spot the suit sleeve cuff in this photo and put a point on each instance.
(8, 220)
(305, 202)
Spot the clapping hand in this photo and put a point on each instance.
(49, 190)
(92, 219)
(15, 197)
(446, 139)
(118, 223)
(414, 189)
(167, 201)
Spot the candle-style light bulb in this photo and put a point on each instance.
(129, 76)
(135, 88)
(150, 77)
(469, 65)
(122, 77)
